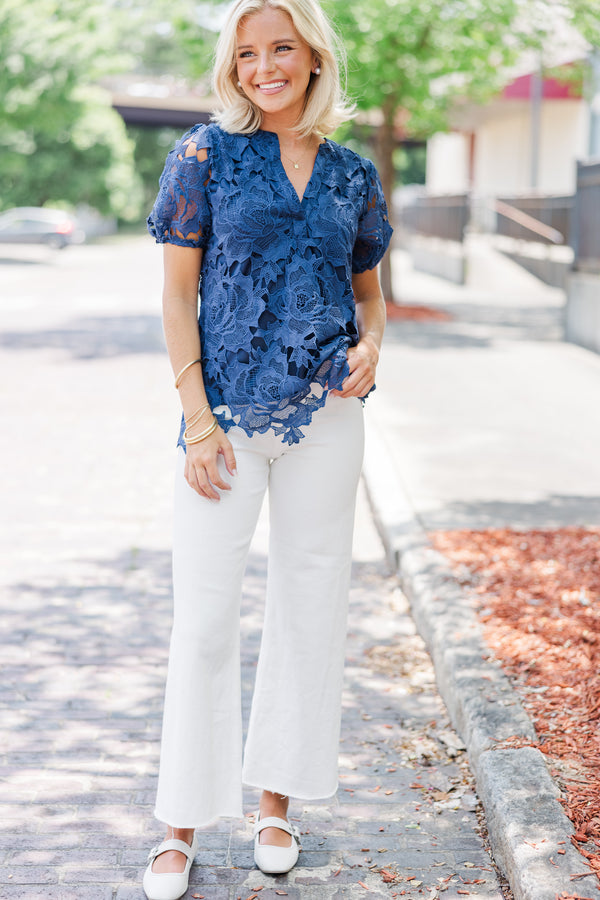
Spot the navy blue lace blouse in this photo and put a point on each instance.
(277, 311)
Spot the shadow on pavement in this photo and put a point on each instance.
(475, 326)
(16, 261)
(555, 511)
(94, 337)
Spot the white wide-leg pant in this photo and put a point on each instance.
(293, 734)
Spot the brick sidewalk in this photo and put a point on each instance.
(86, 610)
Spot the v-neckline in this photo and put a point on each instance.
(295, 195)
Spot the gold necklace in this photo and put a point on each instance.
(295, 164)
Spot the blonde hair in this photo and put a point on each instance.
(326, 106)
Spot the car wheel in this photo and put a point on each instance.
(56, 242)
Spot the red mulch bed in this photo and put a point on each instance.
(539, 594)
(415, 313)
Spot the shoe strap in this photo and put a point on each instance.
(274, 822)
(173, 844)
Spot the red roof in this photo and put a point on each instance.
(520, 89)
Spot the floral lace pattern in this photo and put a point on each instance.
(277, 311)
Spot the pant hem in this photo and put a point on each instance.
(197, 824)
(301, 794)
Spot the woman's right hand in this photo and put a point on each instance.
(202, 464)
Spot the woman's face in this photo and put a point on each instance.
(274, 65)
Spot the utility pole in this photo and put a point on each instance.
(594, 144)
(537, 93)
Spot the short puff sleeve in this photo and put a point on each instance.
(181, 213)
(374, 230)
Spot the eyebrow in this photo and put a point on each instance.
(278, 41)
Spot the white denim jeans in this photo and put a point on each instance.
(293, 734)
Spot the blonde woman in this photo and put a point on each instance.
(282, 231)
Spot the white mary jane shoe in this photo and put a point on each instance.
(169, 885)
(275, 860)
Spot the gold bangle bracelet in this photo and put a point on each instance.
(196, 416)
(184, 370)
(187, 430)
(197, 438)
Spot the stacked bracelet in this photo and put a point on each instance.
(184, 370)
(196, 416)
(196, 438)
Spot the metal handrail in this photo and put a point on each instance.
(529, 222)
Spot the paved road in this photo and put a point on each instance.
(89, 418)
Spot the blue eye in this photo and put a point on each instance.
(283, 47)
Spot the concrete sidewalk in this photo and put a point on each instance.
(488, 419)
(86, 607)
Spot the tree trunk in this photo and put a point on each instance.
(385, 145)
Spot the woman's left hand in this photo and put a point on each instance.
(362, 362)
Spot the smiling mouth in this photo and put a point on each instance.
(272, 85)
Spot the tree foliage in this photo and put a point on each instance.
(409, 61)
(60, 140)
(415, 55)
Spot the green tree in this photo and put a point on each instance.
(151, 148)
(60, 140)
(151, 31)
(408, 60)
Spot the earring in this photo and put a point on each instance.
(239, 84)
(318, 70)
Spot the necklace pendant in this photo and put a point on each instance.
(296, 166)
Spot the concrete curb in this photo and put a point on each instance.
(526, 823)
